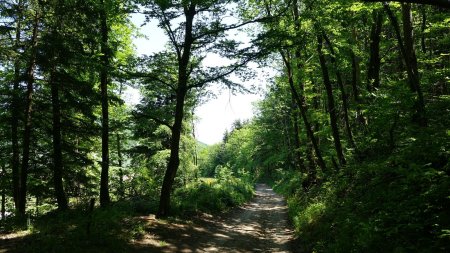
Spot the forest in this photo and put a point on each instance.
(353, 131)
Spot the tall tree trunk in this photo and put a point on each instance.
(195, 138)
(3, 184)
(291, 158)
(181, 92)
(15, 113)
(174, 159)
(300, 98)
(297, 153)
(104, 180)
(330, 102)
(343, 92)
(373, 69)
(356, 69)
(121, 189)
(423, 10)
(28, 111)
(57, 145)
(409, 56)
(301, 103)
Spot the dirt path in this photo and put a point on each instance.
(260, 226)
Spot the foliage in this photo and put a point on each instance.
(212, 195)
(110, 229)
(352, 130)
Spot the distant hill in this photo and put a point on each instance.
(201, 145)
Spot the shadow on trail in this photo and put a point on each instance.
(259, 226)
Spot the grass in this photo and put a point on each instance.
(211, 195)
(110, 230)
(113, 229)
(376, 209)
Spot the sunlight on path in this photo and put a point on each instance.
(260, 226)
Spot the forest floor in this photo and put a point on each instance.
(259, 226)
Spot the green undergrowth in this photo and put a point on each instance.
(398, 203)
(211, 195)
(113, 228)
(107, 229)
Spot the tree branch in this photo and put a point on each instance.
(200, 84)
(161, 122)
(235, 26)
(171, 34)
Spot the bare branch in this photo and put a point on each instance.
(201, 83)
(171, 34)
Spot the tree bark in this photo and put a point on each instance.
(121, 189)
(300, 98)
(301, 103)
(15, 113)
(57, 145)
(104, 180)
(409, 56)
(356, 69)
(174, 159)
(3, 184)
(330, 102)
(423, 27)
(373, 69)
(28, 116)
(181, 92)
(297, 153)
(344, 98)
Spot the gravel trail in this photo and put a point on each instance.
(259, 226)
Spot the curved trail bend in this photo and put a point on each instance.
(259, 226)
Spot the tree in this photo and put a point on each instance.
(373, 73)
(407, 51)
(439, 3)
(28, 110)
(201, 31)
(105, 59)
(330, 102)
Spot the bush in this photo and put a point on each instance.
(212, 195)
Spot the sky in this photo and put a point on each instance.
(215, 116)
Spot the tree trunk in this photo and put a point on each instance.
(356, 69)
(373, 69)
(181, 92)
(330, 102)
(15, 113)
(3, 184)
(174, 160)
(301, 103)
(104, 180)
(121, 189)
(28, 111)
(409, 56)
(57, 146)
(343, 93)
(423, 27)
(37, 206)
(300, 98)
(297, 153)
